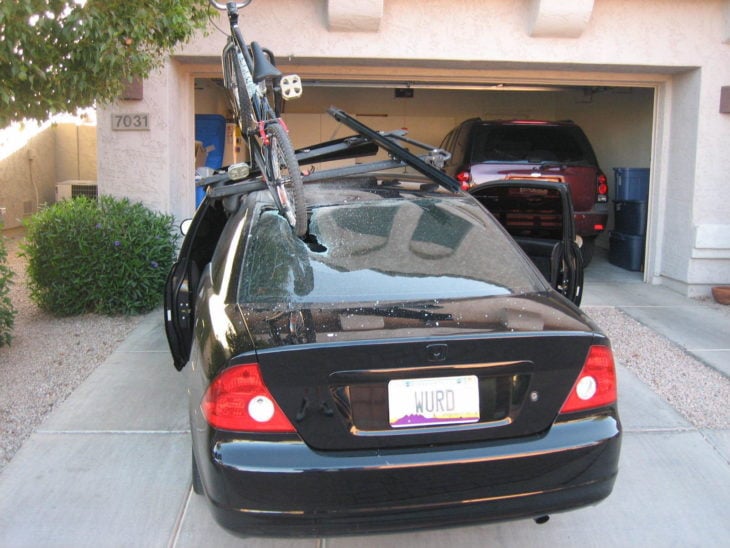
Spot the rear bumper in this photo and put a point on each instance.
(586, 221)
(287, 489)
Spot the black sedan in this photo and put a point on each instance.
(402, 366)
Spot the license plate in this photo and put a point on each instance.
(433, 401)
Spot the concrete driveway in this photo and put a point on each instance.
(111, 466)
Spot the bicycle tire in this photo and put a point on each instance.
(236, 86)
(284, 178)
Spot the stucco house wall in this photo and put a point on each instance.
(34, 158)
(679, 49)
(75, 151)
(27, 176)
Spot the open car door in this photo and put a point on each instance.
(539, 216)
(179, 312)
(181, 286)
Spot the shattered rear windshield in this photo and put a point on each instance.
(383, 250)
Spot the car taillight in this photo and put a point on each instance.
(464, 177)
(238, 399)
(601, 188)
(596, 384)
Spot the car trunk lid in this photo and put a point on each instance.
(369, 378)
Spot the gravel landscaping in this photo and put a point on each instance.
(49, 357)
(697, 391)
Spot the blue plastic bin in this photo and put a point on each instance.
(626, 250)
(632, 184)
(630, 217)
(199, 195)
(211, 130)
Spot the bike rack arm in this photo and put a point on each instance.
(397, 151)
(352, 170)
(436, 157)
(347, 147)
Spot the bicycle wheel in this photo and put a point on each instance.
(235, 83)
(284, 178)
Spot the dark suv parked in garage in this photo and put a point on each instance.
(529, 149)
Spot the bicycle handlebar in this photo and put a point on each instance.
(223, 7)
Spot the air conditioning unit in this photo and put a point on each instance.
(74, 188)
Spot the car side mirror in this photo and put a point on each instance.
(185, 226)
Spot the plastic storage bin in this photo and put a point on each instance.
(210, 129)
(630, 217)
(626, 250)
(632, 183)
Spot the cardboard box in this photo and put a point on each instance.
(201, 153)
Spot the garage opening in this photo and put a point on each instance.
(618, 121)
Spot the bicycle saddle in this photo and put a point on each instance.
(262, 67)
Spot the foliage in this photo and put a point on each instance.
(110, 256)
(7, 311)
(60, 55)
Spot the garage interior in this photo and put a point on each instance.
(618, 120)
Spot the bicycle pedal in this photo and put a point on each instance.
(291, 87)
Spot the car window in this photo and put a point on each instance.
(384, 250)
(531, 144)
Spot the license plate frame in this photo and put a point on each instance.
(433, 401)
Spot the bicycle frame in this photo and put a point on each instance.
(255, 84)
(247, 75)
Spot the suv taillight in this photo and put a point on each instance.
(464, 178)
(238, 399)
(596, 385)
(601, 188)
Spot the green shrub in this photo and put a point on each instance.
(7, 311)
(108, 256)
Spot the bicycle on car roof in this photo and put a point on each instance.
(253, 83)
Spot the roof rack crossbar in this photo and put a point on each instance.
(236, 188)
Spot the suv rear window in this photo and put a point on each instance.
(384, 250)
(530, 144)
